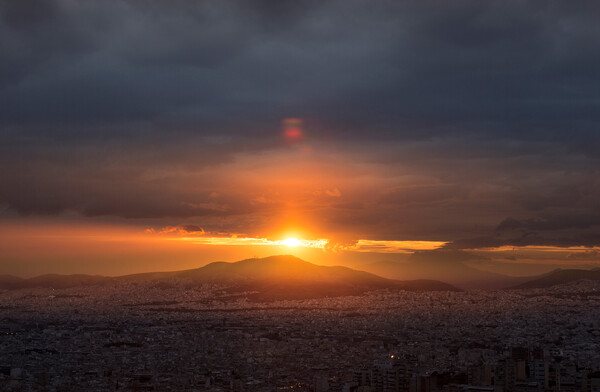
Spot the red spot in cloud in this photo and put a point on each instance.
(292, 129)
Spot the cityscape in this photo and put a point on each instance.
(160, 336)
(299, 195)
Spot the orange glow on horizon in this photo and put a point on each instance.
(395, 246)
(45, 246)
(252, 241)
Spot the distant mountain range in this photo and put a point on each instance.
(560, 276)
(452, 267)
(288, 277)
(275, 277)
(447, 266)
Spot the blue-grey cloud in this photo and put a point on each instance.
(493, 106)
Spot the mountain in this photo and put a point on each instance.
(290, 277)
(275, 277)
(55, 281)
(65, 281)
(560, 276)
(9, 281)
(444, 265)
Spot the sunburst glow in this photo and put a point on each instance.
(248, 241)
(291, 242)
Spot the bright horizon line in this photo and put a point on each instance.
(364, 245)
(356, 268)
(379, 246)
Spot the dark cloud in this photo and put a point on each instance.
(550, 223)
(563, 240)
(192, 228)
(370, 66)
(561, 231)
(454, 115)
(28, 13)
(445, 256)
(428, 194)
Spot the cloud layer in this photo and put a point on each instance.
(473, 122)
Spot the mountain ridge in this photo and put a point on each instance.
(444, 265)
(274, 277)
(560, 276)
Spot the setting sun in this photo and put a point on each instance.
(291, 242)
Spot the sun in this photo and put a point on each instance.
(291, 242)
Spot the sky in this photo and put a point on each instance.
(141, 135)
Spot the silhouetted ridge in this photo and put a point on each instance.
(65, 281)
(288, 277)
(560, 276)
(281, 268)
(10, 282)
(55, 281)
(269, 278)
(444, 265)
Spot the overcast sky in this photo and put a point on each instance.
(474, 123)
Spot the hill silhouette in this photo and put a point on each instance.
(290, 277)
(55, 281)
(444, 265)
(9, 282)
(560, 276)
(275, 277)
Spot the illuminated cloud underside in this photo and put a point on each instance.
(245, 241)
(545, 248)
(360, 246)
(395, 246)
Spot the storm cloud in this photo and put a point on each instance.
(431, 120)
